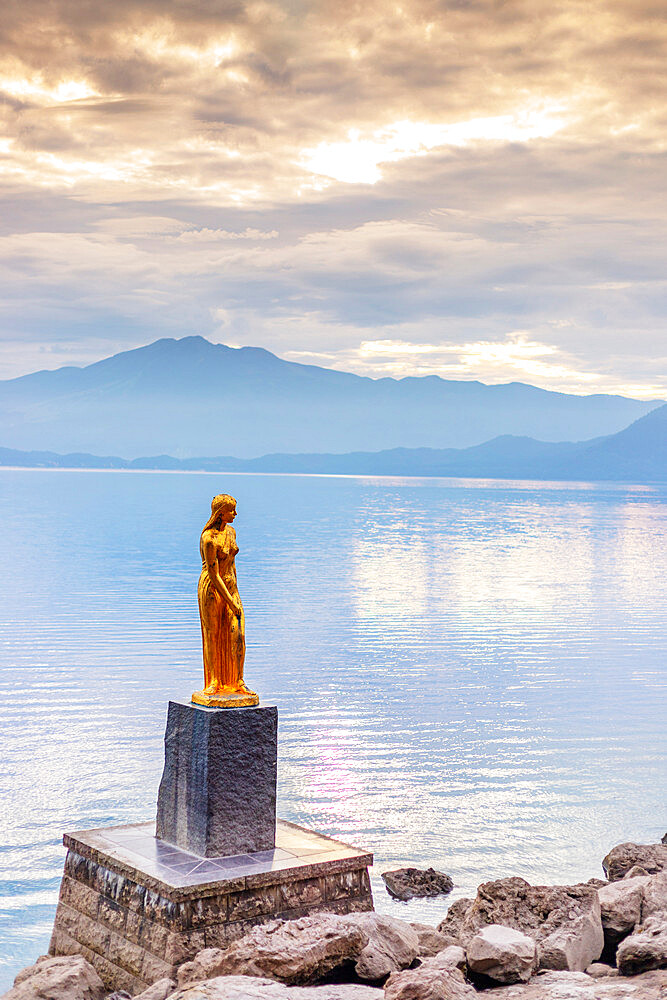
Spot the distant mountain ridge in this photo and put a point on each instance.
(636, 454)
(189, 397)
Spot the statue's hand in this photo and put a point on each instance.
(236, 608)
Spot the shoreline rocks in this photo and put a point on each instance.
(406, 883)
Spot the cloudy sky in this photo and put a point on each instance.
(471, 188)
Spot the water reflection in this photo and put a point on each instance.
(475, 680)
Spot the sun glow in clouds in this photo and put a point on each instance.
(35, 89)
(358, 160)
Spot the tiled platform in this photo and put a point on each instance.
(137, 907)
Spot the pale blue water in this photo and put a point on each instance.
(469, 674)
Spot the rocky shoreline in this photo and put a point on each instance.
(605, 939)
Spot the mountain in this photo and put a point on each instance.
(189, 397)
(636, 454)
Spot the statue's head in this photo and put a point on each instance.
(221, 504)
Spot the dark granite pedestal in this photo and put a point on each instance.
(137, 908)
(218, 790)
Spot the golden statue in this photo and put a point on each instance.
(221, 612)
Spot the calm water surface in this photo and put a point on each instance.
(469, 674)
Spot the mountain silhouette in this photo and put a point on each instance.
(189, 397)
(637, 454)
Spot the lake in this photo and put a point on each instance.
(469, 674)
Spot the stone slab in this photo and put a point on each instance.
(218, 790)
(137, 908)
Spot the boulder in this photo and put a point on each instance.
(67, 977)
(292, 951)
(578, 986)
(392, 945)
(635, 871)
(599, 970)
(431, 941)
(251, 988)
(651, 857)
(452, 957)
(404, 883)
(655, 895)
(563, 920)
(645, 949)
(621, 907)
(502, 953)
(160, 990)
(429, 982)
(456, 915)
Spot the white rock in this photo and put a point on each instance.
(393, 944)
(502, 953)
(621, 907)
(67, 977)
(645, 949)
(428, 982)
(253, 988)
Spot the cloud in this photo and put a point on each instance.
(326, 177)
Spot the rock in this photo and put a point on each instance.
(392, 945)
(251, 988)
(651, 857)
(431, 941)
(664, 839)
(68, 977)
(160, 990)
(452, 957)
(621, 907)
(578, 986)
(563, 920)
(634, 872)
(119, 995)
(292, 951)
(645, 949)
(597, 883)
(598, 970)
(655, 896)
(503, 954)
(404, 883)
(456, 914)
(429, 982)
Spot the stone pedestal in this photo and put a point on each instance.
(218, 791)
(137, 908)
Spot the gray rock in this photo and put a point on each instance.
(655, 896)
(67, 977)
(160, 990)
(651, 857)
(621, 907)
(502, 953)
(579, 986)
(429, 982)
(645, 949)
(564, 920)
(218, 790)
(251, 988)
(392, 945)
(431, 941)
(455, 918)
(405, 883)
(598, 970)
(452, 957)
(293, 951)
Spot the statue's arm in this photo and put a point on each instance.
(211, 559)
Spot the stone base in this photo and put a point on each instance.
(136, 908)
(218, 790)
(225, 700)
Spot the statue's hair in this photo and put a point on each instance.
(219, 504)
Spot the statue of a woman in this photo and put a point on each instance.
(221, 612)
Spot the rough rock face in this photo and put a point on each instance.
(250, 988)
(456, 915)
(578, 986)
(63, 978)
(503, 954)
(645, 949)
(655, 895)
(392, 945)
(651, 857)
(564, 920)
(452, 957)
(160, 990)
(429, 982)
(404, 883)
(431, 941)
(621, 907)
(599, 970)
(292, 951)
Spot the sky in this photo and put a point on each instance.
(469, 189)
